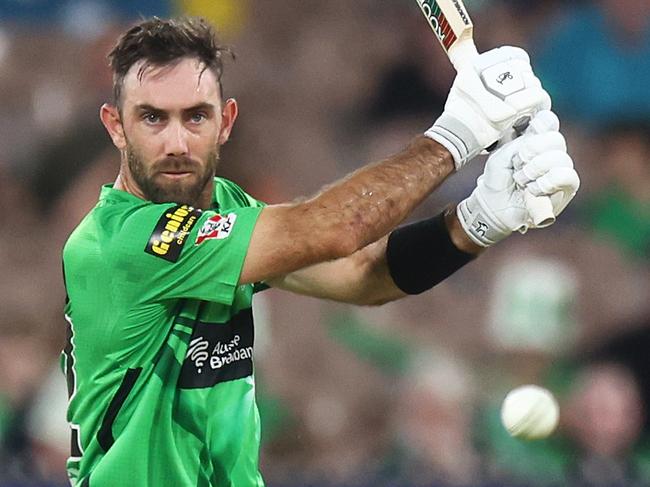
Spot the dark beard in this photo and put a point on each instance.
(183, 192)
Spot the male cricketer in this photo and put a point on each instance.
(160, 274)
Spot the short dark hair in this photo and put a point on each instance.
(163, 41)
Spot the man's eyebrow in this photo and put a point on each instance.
(145, 107)
(200, 106)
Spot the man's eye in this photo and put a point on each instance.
(198, 117)
(151, 117)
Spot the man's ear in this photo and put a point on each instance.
(228, 117)
(110, 117)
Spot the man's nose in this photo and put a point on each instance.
(176, 143)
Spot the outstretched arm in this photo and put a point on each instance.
(365, 206)
(423, 254)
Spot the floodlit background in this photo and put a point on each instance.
(402, 395)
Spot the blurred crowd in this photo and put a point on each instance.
(406, 394)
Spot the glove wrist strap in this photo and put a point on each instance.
(456, 137)
(481, 227)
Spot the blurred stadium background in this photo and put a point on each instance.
(402, 395)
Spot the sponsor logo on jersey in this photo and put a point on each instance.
(219, 352)
(218, 227)
(170, 234)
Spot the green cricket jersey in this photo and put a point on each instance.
(160, 343)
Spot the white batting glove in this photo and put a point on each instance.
(536, 162)
(493, 93)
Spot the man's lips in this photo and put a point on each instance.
(176, 174)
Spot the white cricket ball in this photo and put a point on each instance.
(530, 412)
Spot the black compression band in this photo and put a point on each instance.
(421, 255)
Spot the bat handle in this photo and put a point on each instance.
(462, 53)
(540, 209)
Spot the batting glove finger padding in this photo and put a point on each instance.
(540, 165)
(539, 143)
(536, 163)
(556, 179)
(562, 183)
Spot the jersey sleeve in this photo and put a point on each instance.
(175, 251)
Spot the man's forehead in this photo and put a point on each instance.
(183, 81)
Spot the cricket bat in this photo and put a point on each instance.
(454, 29)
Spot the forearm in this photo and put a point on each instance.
(361, 278)
(372, 201)
(364, 278)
